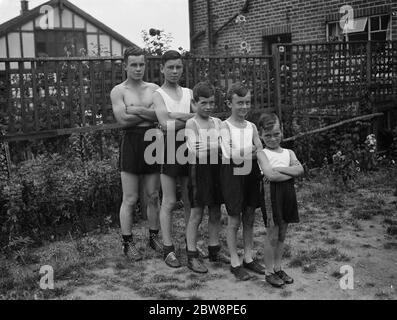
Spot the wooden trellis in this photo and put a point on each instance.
(55, 96)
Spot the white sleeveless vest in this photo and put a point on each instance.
(182, 106)
(278, 159)
(241, 138)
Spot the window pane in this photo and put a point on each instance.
(335, 32)
(360, 36)
(381, 35)
(41, 49)
(384, 22)
(374, 23)
(80, 44)
(57, 43)
(51, 36)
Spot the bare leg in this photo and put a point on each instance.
(271, 240)
(214, 225)
(168, 187)
(248, 233)
(185, 198)
(152, 185)
(130, 185)
(196, 216)
(232, 229)
(278, 255)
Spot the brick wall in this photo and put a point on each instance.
(307, 20)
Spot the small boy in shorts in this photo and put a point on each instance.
(203, 132)
(240, 178)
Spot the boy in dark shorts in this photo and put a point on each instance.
(173, 109)
(132, 105)
(280, 166)
(203, 132)
(240, 178)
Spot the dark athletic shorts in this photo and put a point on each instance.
(241, 191)
(280, 201)
(132, 150)
(173, 168)
(205, 185)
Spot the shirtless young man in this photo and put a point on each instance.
(173, 109)
(132, 104)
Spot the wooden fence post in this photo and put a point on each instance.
(5, 167)
(371, 98)
(277, 80)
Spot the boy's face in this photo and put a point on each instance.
(272, 138)
(205, 106)
(172, 70)
(135, 67)
(240, 105)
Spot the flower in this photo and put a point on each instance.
(240, 19)
(245, 47)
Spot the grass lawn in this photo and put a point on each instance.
(339, 226)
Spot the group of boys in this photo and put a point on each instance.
(171, 111)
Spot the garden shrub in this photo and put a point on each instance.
(56, 193)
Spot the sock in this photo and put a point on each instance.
(192, 254)
(127, 238)
(167, 250)
(214, 250)
(153, 232)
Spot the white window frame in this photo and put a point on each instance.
(346, 35)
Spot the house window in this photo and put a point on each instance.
(359, 32)
(278, 38)
(379, 28)
(60, 43)
(364, 29)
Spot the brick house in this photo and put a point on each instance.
(272, 21)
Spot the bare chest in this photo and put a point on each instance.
(142, 97)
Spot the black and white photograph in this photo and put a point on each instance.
(208, 153)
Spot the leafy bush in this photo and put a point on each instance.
(54, 193)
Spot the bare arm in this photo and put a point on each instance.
(196, 145)
(270, 174)
(143, 112)
(257, 142)
(295, 169)
(119, 110)
(163, 116)
(181, 116)
(146, 113)
(193, 142)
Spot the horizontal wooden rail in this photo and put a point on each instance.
(333, 126)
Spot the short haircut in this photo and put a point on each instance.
(237, 88)
(132, 51)
(170, 55)
(267, 121)
(203, 89)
